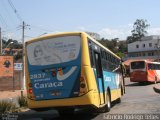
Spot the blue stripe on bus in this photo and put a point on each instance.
(110, 80)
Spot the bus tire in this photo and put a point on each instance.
(118, 100)
(108, 105)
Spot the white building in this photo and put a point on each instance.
(147, 48)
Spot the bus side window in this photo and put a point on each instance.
(149, 66)
(154, 67)
(158, 67)
(91, 54)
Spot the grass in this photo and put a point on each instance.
(22, 101)
(8, 107)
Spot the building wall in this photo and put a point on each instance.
(9, 83)
(147, 47)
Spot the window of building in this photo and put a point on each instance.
(144, 54)
(143, 45)
(149, 54)
(150, 44)
(137, 46)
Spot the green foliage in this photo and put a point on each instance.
(7, 107)
(18, 56)
(122, 46)
(116, 46)
(22, 101)
(15, 45)
(120, 54)
(139, 30)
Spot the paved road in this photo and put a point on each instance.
(138, 99)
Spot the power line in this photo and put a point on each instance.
(15, 10)
(3, 21)
(8, 13)
(41, 28)
(7, 29)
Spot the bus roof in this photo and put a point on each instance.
(147, 61)
(47, 36)
(98, 43)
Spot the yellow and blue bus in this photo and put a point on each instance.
(71, 70)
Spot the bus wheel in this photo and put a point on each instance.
(118, 100)
(108, 106)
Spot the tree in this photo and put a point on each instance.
(117, 46)
(17, 55)
(139, 30)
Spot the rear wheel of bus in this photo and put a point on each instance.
(107, 107)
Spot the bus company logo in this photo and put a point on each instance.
(107, 79)
(48, 85)
(61, 76)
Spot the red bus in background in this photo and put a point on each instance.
(144, 71)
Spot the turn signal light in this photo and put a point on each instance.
(81, 79)
(30, 91)
(30, 84)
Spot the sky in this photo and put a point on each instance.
(109, 18)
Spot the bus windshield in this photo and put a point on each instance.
(54, 50)
(138, 65)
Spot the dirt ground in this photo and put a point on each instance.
(11, 94)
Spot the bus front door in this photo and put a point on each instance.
(100, 81)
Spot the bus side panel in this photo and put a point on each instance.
(158, 75)
(115, 94)
(151, 75)
(85, 51)
(88, 73)
(113, 81)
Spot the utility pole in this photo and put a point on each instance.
(23, 54)
(22, 82)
